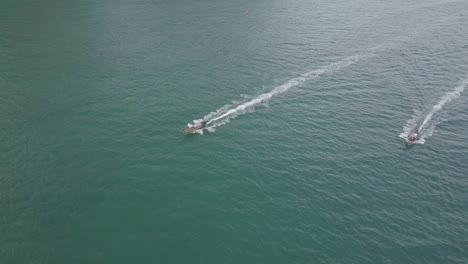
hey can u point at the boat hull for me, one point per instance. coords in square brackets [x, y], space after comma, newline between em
[193, 129]
[190, 130]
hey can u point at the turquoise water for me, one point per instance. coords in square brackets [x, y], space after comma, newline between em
[302, 161]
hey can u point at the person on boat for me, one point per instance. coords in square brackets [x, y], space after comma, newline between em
[202, 124]
[413, 137]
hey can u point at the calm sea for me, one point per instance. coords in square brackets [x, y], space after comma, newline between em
[303, 159]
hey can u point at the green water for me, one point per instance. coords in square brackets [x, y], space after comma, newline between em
[304, 164]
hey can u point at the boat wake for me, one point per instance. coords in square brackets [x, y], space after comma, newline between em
[228, 112]
[429, 123]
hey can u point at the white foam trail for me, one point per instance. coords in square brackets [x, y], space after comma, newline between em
[445, 99]
[427, 127]
[224, 114]
[411, 124]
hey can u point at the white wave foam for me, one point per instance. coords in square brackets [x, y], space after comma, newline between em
[411, 124]
[226, 113]
[428, 125]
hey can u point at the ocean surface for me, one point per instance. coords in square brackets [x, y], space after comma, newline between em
[303, 160]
